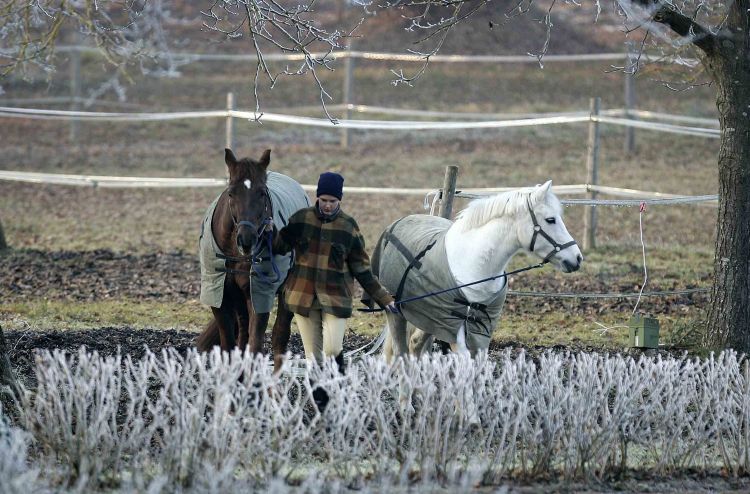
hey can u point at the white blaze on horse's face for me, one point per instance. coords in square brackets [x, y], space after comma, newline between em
[248, 184]
[549, 239]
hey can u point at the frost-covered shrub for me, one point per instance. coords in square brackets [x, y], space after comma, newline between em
[215, 422]
[15, 474]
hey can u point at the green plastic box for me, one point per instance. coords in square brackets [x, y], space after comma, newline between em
[644, 331]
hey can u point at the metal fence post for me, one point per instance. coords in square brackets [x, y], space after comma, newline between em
[592, 175]
[448, 191]
[348, 89]
[230, 122]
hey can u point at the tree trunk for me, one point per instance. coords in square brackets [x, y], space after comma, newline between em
[3, 244]
[728, 318]
[7, 376]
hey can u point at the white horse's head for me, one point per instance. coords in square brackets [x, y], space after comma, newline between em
[542, 232]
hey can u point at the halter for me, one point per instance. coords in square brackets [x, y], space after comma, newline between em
[261, 232]
[538, 231]
[268, 219]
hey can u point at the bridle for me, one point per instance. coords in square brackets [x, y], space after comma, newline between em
[262, 233]
[267, 219]
[556, 247]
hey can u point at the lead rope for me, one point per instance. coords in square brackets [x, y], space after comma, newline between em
[269, 245]
[483, 280]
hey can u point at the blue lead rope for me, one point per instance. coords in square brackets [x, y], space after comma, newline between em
[432, 294]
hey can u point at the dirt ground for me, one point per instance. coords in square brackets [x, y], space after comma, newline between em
[174, 277]
[103, 274]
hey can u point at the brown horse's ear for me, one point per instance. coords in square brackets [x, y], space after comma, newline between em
[229, 157]
[265, 159]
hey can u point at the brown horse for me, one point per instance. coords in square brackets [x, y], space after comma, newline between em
[242, 235]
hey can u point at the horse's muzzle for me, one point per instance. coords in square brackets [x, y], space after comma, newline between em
[569, 267]
[246, 242]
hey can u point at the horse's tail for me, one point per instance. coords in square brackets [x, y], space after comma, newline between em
[209, 338]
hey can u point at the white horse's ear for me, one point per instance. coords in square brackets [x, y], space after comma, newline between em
[541, 190]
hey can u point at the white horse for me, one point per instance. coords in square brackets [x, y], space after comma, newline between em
[479, 244]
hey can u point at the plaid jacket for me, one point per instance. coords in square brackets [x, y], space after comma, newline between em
[329, 254]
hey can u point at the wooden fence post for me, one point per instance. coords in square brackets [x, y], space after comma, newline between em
[75, 89]
[629, 106]
[592, 174]
[229, 143]
[448, 191]
[348, 95]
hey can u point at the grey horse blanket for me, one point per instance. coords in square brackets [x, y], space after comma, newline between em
[410, 260]
[287, 197]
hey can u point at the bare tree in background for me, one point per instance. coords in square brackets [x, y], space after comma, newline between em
[716, 31]
[127, 33]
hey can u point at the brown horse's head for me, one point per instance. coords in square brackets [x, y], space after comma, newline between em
[249, 199]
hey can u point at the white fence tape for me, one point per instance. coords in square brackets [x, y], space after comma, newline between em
[637, 196]
[404, 57]
[665, 116]
[550, 119]
[37, 113]
[412, 125]
[162, 182]
[661, 127]
[656, 198]
[483, 116]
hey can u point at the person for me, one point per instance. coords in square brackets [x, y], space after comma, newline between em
[329, 254]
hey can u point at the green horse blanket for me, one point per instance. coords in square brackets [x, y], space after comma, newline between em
[287, 197]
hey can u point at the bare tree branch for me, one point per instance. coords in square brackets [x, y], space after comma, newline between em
[124, 32]
[272, 25]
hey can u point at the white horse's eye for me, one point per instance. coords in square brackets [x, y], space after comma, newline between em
[551, 221]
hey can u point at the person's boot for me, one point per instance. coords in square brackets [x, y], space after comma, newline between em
[341, 363]
[320, 397]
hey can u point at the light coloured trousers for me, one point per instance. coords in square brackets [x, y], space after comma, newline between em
[322, 334]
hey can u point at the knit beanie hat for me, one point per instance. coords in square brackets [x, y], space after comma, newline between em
[332, 184]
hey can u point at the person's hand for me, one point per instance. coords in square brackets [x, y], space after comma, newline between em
[392, 308]
[269, 225]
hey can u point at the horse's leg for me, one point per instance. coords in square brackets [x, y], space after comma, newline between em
[209, 338]
[245, 311]
[258, 325]
[226, 320]
[470, 411]
[388, 345]
[280, 334]
[397, 328]
[243, 323]
[418, 341]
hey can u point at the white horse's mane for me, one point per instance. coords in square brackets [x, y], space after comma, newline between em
[481, 211]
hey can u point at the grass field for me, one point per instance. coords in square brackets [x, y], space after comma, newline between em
[679, 239]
